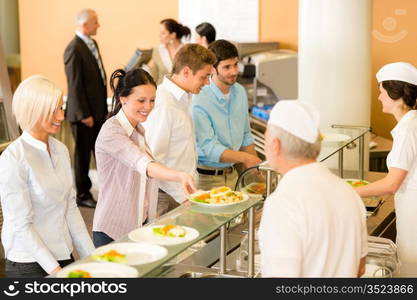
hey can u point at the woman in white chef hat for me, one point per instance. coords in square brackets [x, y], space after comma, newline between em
[398, 94]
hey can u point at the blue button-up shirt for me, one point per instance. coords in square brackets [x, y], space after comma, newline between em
[220, 123]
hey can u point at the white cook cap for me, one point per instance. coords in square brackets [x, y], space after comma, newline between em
[398, 71]
[296, 117]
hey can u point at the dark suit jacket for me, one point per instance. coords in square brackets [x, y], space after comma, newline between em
[86, 91]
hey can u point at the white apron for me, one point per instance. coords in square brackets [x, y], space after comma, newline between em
[406, 215]
[403, 155]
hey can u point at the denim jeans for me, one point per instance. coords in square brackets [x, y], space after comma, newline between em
[31, 269]
[101, 239]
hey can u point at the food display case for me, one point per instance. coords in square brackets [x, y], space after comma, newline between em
[222, 242]
[225, 245]
[209, 223]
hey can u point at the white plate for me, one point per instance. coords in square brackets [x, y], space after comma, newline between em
[136, 253]
[245, 198]
[146, 234]
[101, 270]
[335, 137]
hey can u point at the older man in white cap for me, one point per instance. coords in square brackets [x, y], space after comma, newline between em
[398, 94]
[314, 224]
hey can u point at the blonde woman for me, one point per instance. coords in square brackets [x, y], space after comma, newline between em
[41, 219]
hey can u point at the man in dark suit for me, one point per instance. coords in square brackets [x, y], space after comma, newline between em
[86, 103]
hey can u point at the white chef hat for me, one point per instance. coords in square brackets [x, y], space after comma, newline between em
[296, 117]
[398, 71]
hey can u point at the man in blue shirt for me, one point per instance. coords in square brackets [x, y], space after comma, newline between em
[221, 120]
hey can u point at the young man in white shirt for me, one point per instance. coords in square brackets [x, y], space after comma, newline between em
[169, 127]
[314, 224]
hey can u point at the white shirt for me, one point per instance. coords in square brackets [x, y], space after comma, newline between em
[403, 155]
[41, 218]
[165, 57]
[404, 149]
[127, 196]
[169, 131]
[313, 225]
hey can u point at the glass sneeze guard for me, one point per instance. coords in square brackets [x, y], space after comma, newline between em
[206, 220]
[330, 148]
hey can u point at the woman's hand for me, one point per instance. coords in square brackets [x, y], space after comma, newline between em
[161, 172]
[187, 183]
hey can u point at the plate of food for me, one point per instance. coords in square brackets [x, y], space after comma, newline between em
[218, 197]
[335, 137]
[356, 182]
[371, 203]
[129, 253]
[97, 270]
[255, 189]
[168, 234]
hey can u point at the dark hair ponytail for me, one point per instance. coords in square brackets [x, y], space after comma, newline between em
[126, 81]
[397, 89]
[173, 26]
[207, 30]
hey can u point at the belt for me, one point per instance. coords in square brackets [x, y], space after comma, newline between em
[216, 172]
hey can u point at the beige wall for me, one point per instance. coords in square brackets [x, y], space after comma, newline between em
[278, 21]
[392, 19]
[46, 26]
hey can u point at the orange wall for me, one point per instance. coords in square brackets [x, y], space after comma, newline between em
[278, 21]
[392, 19]
[46, 26]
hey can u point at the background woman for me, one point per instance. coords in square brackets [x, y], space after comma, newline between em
[170, 34]
[128, 192]
[205, 34]
[398, 94]
[41, 217]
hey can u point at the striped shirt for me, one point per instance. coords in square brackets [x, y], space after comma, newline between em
[127, 197]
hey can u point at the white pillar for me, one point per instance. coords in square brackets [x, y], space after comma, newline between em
[335, 59]
[335, 64]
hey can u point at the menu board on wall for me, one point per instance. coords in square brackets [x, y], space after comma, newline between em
[234, 20]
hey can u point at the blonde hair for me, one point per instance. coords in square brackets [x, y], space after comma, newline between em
[35, 99]
[193, 56]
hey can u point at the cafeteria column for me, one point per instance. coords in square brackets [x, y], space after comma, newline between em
[335, 63]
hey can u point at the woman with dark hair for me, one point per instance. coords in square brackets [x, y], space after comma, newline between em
[205, 34]
[170, 34]
[126, 169]
[398, 95]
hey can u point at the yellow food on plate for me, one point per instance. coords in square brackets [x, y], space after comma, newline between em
[111, 255]
[170, 231]
[219, 195]
[228, 197]
[79, 274]
[214, 192]
[357, 182]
